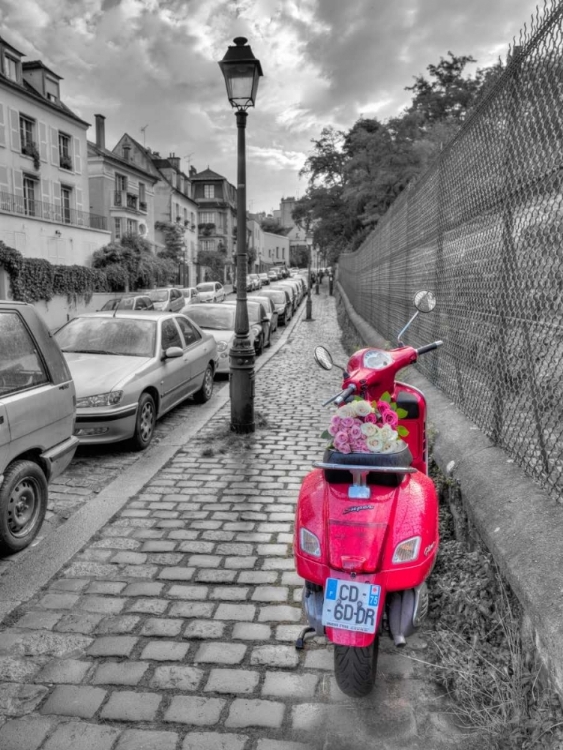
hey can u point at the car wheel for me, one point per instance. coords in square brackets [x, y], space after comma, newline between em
[145, 422]
[206, 390]
[259, 345]
[23, 502]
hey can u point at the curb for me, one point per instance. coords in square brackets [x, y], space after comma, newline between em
[26, 578]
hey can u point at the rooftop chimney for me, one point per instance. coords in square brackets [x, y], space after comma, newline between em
[174, 161]
[100, 131]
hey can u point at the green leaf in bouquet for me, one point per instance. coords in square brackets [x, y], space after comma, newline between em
[326, 435]
[402, 413]
[402, 431]
[385, 397]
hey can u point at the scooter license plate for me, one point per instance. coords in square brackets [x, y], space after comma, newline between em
[350, 605]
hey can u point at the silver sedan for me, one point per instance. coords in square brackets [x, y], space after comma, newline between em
[130, 368]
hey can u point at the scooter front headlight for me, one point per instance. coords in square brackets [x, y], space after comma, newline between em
[407, 551]
[309, 543]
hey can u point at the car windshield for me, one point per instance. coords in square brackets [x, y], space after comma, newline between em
[205, 287]
[254, 315]
[116, 336]
[111, 304]
[218, 319]
[278, 297]
[158, 295]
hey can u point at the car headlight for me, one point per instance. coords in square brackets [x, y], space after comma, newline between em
[222, 346]
[407, 551]
[309, 543]
[102, 399]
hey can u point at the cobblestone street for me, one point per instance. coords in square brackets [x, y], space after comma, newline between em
[173, 628]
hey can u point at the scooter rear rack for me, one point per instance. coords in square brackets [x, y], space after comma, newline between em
[359, 489]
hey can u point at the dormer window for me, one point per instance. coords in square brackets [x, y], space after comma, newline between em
[209, 191]
[10, 68]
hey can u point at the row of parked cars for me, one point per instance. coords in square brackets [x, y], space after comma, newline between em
[106, 377]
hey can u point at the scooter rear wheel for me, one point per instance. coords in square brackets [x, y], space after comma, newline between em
[355, 668]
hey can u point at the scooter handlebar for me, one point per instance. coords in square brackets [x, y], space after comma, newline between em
[429, 347]
[342, 396]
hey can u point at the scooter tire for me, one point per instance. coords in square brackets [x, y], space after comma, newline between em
[355, 668]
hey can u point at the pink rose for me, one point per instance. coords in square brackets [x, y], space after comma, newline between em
[360, 446]
[348, 422]
[355, 432]
[345, 448]
[371, 418]
[383, 407]
[390, 418]
[335, 425]
[341, 442]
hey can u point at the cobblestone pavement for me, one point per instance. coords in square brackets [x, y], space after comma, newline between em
[173, 628]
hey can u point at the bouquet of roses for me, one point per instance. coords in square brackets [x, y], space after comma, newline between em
[364, 427]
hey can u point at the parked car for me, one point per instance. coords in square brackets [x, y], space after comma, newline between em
[210, 291]
[167, 300]
[129, 302]
[190, 296]
[37, 410]
[270, 308]
[264, 279]
[219, 321]
[130, 368]
[249, 284]
[273, 275]
[256, 281]
[258, 319]
[292, 289]
[283, 303]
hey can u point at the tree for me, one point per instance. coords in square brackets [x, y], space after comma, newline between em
[269, 224]
[174, 243]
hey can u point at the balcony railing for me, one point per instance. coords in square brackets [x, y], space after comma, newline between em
[117, 199]
[17, 204]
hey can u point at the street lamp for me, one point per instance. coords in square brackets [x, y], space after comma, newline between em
[241, 71]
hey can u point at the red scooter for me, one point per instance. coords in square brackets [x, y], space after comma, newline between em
[366, 531]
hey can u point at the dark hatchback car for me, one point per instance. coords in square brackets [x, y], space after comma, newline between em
[129, 302]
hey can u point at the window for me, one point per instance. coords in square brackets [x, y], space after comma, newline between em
[208, 244]
[29, 196]
[10, 68]
[65, 202]
[189, 332]
[21, 366]
[207, 217]
[117, 228]
[26, 132]
[131, 226]
[65, 160]
[120, 183]
[170, 335]
[132, 201]
[209, 191]
[142, 193]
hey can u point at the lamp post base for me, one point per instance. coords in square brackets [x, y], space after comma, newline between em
[241, 386]
[309, 307]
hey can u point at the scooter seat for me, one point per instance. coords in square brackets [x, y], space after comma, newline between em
[399, 460]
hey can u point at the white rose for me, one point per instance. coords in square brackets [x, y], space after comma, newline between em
[374, 443]
[387, 432]
[362, 408]
[346, 410]
[369, 429]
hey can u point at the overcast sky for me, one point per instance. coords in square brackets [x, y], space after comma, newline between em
[153, 63]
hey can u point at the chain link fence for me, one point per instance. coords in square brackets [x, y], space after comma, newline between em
[483, 229]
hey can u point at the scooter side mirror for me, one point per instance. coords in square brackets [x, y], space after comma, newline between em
[424, 301]
[323, 358]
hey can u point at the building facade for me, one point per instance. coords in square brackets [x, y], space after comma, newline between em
[217, 209]
[44, 190]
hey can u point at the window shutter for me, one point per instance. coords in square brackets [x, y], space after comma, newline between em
[43, 146]
[77, 157]
[46, 198]
[2, 126]
[5, 201]
[15, 130]
[18, 183]
[57, 200]
[55, 149]
[79, 216]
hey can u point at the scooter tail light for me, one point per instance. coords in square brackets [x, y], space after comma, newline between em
[407, 551]
[309, 543]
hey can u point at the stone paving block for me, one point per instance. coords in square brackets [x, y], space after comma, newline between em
[78, 623]
[202, 629]
[194, 710]
[129, 558]
[119, 624]
[188, 592]
[272, 550]
[69, 584]
[291, 686]
[166, 558]
[235, 612]
[216, 576]
[16, 700]
[177, 677]
[109, 605]
[218, 536]
[309, 717]
[273, 528]
[120, 673]
[197, 547]
[150, 588]
[177, 573]
[270, 594]
[39, 620]
[214, 741]
[279, 614]
[320, 658]
[141, 739]
[234, 549]
[251, 631]
[165, 651]
[43, 643]
[257, 577]
[240, 563]
[81, 736]
[69, 671]
[106, 587]
[58, 601]
[139, 571]
[204, 561]
[25, 734]
[162, 627]
[149, 606]
[206, 525]
[278, 563]
[245, 712]
[75, 700]
[275, 656]
[123, 543]
[291, 579]
[289, 633]
[220, 653]
[192, 609]
[232, 681]
[126, 705]
[96, 555]
[254, 537]
[229, 593]
[239, 526]
[14, 669]
[183, 534]
[117, 645]
[265, 744]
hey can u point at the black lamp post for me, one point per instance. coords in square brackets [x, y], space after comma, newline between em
[241, 71]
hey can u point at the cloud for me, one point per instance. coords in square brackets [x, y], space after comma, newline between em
[325, 62]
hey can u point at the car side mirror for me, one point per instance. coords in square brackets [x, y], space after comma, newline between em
[173, 352]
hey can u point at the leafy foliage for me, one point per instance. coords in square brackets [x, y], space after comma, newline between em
[214, 261]
[173, 240]
[268, 224]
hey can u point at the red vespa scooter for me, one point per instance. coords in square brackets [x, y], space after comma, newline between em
[366, 531]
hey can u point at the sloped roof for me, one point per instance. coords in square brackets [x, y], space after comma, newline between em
[208, 174]
[94, 150]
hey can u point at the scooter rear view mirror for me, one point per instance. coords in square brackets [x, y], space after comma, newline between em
[424, 301]
[323, 358]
